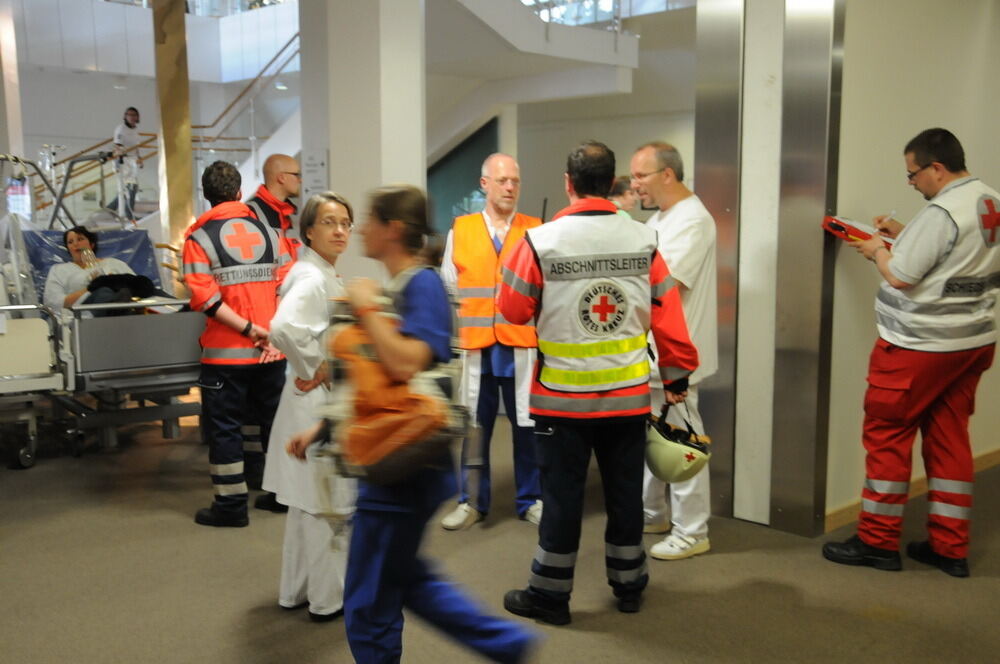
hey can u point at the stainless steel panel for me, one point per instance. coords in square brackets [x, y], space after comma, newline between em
[717, 182]
[813, 39]
[135, 342]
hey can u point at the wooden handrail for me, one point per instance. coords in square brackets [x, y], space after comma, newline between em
[270, 78]
[94, 147]
[45, 204]
[39, 189]
[218, 118]
[91, 166]
[249, 85]
[153, 153]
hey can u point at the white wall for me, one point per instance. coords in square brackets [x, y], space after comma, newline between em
[543, 146]
[660, 107]
[908, 65]
[99, 36]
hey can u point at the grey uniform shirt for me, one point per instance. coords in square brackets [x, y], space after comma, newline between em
[924, 242]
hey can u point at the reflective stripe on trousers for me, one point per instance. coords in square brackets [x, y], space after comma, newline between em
[564, 448]
[933, 393]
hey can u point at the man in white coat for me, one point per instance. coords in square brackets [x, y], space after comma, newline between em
[314, 558]
[498, 355]
[686, 239]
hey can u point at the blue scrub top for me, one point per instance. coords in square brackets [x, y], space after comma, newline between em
[426, 315]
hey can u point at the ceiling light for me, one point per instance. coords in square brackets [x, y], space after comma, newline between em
[278, 85]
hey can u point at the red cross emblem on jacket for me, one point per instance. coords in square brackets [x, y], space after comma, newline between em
[604, 309]
[990, 216]
[242, 243]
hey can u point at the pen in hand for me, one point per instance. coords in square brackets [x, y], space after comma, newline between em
[886, 225]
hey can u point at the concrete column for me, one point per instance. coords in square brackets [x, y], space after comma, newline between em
[363, 100]
[507, 130]
[758, 238]
[173, 91]
[11, 130]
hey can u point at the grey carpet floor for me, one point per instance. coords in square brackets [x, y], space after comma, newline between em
[100, 562]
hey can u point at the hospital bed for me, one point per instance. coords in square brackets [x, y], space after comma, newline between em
[97, 373]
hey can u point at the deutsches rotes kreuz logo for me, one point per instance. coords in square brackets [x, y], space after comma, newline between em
[602, 309]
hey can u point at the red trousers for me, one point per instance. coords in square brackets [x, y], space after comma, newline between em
[911, 390]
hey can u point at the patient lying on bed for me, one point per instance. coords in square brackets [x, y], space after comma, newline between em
[80, 281]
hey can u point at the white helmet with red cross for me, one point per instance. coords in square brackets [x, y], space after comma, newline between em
[675, 454]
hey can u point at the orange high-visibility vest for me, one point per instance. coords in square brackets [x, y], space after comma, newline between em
[479, 272]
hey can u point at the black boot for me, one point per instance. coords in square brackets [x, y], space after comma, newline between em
[524, 603]
[630, 603]
[855, 552]
[268, 501]
[923, 553]
[212, 516]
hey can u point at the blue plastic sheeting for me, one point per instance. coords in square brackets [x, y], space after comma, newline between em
[45, 249]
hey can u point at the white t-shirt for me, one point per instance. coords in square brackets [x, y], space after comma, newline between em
[686, 239]
[125, 136]
[66, 278]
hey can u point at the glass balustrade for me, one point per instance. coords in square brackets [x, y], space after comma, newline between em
[600, 12]
[211, 7]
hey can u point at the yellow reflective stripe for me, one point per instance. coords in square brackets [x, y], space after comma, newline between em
[595, 349]
[599, 377]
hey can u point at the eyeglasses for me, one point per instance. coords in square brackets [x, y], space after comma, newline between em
[912, 174]
[643, 176]
[296, 174]
[342, 225]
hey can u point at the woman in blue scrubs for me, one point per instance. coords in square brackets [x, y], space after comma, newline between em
[384, 570]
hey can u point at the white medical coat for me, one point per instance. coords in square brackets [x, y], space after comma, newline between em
[297, 331]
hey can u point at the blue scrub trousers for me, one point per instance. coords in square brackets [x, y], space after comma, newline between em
[385, 573]
[526, 475]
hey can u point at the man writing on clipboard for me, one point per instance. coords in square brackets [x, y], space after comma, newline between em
[937, 334]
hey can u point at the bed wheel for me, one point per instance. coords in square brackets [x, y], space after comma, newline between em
[26, 455]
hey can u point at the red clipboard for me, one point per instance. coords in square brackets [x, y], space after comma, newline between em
[850, 230]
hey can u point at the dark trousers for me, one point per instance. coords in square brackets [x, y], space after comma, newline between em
[385, 573]
[232, 397]
[104, 295]
[129, 211]
[564, 447]
[475, 478]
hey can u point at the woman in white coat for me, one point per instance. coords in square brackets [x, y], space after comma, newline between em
[315, 549]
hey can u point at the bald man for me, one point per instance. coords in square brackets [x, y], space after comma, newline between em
[499, 356]
[282, 181]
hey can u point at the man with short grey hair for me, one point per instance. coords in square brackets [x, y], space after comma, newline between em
[686, 239]
[499, 355]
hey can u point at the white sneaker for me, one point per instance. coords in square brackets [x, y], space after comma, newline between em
[534, 513]
[462, 517]
[677, 547]
[656, 527]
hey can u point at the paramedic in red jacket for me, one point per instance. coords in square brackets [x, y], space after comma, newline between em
[272, 201]
[231, 262]
[596, 284]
